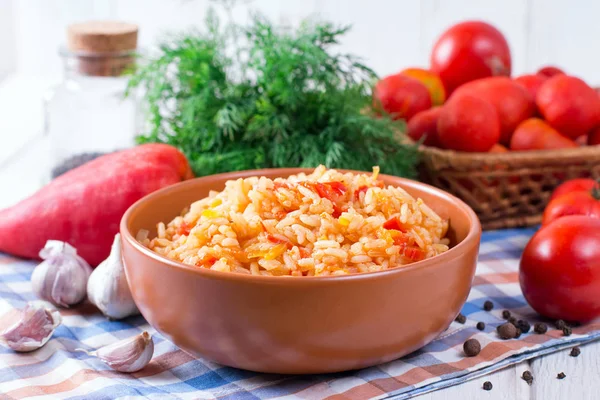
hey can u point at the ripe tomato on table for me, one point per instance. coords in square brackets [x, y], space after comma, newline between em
[573, 185]
[560, 269]
[574, 203]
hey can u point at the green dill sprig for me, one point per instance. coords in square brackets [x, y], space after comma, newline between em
[238, 98]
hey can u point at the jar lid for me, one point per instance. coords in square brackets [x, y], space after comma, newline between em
[102, 37]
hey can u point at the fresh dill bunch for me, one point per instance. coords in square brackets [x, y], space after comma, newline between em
[248, 97]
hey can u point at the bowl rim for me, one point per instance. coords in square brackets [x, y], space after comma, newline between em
[452, 253]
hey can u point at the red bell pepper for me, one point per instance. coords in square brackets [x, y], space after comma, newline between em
[84, 206]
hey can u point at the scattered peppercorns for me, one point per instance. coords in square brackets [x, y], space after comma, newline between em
[507, 331]
[461, 319]
[506, 314]
[575, 351]
[523, 326]
[560, 324]
[513, 321]
[561, 375]
[487, 385]
[518, 334]
[527, 377]
[480, 326]
[488, 306]
[540, 328]
[567, 331]
[472, 347]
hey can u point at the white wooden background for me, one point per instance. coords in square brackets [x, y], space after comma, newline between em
[389, 34]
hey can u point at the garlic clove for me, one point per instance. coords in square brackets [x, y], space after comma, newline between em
[128, 355]
[62, 277]
[32, 328]
[107, 287]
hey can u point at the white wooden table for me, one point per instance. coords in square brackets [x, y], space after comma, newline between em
[22, 165]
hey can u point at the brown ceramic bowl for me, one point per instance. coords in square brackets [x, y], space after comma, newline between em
[305, 324]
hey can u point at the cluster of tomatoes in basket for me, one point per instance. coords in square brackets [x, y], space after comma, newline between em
[467, 100]
[560, 266]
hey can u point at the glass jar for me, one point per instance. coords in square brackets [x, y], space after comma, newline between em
[88, 111]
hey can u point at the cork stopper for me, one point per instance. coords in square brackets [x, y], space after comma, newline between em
[102, 37]
[102, 48]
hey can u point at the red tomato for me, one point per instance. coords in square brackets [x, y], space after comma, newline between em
[468, 51]
[401, 96]
[536, 134]
[569, 105]
[424, 125]
[432, 82]
[583, 140]
[395, 224]
[334, 192]
[550, 71]
[413, 253]
[468, 123]
[531, 82]
[560, 269]
[593, 137]
[184, 229]
[512, 101]
[574, 203]
[498, 148]
[573, 185]
[406, 244]
[362, 189]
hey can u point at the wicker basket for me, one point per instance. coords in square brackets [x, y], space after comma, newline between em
[511, 189]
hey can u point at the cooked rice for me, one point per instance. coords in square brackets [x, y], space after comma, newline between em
[325, 223]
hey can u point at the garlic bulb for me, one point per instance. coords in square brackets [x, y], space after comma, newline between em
[62, 277]
[107, 287]
[129, 355]
[32, 329]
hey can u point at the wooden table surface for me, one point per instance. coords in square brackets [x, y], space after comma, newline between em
[22, 165]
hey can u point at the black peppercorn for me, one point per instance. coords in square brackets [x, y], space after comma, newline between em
[518, 334]
[507, 331]
[487, 385]
[506, 314]
[561, 375]
[540, 328]
[523, 326]
[488, 305]
[480, 326]
[575, 351]
[527, 377]
[461, 319]
[567, 331]
[472, 347]
[560, 324]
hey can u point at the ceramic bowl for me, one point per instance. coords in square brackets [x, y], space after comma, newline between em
[298, 325]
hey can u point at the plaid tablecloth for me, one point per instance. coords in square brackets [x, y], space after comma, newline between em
[56, 372]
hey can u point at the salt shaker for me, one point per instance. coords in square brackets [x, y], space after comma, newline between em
[88, 113]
